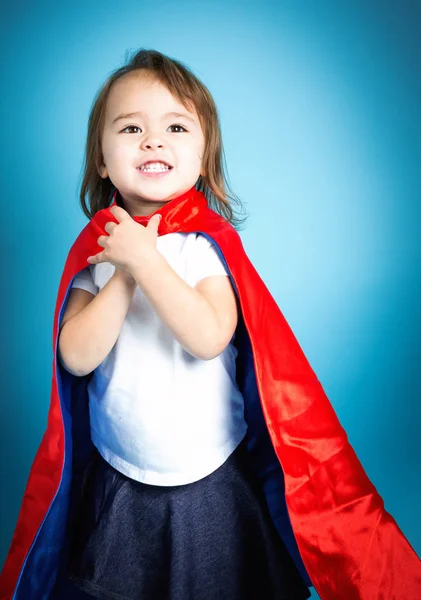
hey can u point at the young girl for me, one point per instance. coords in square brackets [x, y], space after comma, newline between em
[190, 453]
[169, 507]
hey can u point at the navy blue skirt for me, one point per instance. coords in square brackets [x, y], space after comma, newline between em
[212, 539]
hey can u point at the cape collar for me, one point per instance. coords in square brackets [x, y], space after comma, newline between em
[176, 213]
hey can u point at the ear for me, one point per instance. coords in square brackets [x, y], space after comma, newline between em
[103, 172]
[102, 169]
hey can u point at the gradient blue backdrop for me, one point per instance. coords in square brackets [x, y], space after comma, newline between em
[320, 110]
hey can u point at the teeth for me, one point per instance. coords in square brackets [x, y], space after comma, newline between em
[157, 166]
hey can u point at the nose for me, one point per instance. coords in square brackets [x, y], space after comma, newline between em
[152, 140]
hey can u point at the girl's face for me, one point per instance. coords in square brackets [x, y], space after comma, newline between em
[137, 129]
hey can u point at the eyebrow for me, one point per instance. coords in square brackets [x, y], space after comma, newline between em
[168, 114]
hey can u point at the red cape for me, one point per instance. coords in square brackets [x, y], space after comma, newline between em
[327, 511]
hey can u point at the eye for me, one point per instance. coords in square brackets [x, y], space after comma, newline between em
[182, 127]
[130, 127]
[138, 128]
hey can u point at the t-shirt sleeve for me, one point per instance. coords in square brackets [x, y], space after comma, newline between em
[208, 261]
[85, 281]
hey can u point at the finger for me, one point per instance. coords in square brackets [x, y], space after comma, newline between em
[109, 226]
[102, 240]
[119, 213]
[154, 222]
[97, 258]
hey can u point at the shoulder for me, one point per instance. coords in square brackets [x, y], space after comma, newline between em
[192, 241]
[205, 246]
[100, 269]
[202, 241]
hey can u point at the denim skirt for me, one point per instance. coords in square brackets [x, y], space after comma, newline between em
[212, 539]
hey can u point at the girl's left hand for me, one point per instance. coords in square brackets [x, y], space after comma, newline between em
[128, 243]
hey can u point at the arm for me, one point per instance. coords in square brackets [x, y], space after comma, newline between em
[92, 324]
[202, 319]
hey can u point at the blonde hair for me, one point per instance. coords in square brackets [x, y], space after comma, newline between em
[188, 90]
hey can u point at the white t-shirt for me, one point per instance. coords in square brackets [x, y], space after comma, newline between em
[158, 414]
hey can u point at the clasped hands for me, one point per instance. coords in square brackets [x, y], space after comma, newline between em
[128, 242]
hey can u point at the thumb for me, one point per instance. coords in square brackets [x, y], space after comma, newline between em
[156, 219]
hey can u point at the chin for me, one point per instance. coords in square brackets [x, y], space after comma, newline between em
[163, 193]
[146, 194]
[157, 196]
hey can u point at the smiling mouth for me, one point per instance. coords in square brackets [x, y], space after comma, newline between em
[155, 173]
[154, 168]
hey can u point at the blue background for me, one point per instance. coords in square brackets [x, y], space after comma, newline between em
[320, 110]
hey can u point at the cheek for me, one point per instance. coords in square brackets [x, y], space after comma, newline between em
[193, 160]
[116, 152]
[195, 153]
